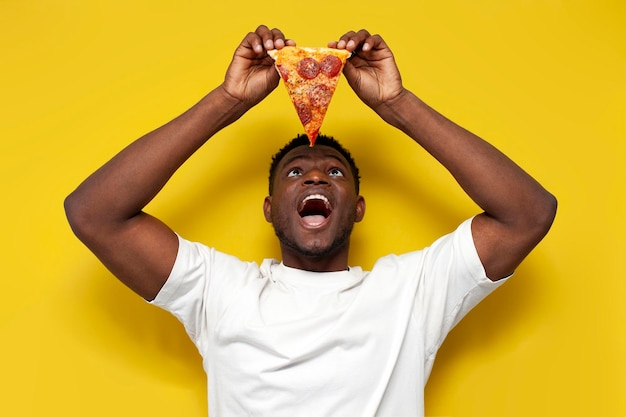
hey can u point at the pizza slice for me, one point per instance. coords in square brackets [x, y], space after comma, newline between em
[311, 76]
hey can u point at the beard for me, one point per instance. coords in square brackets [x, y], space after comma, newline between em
[315, 251]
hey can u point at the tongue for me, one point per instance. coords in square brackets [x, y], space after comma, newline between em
[314, 220]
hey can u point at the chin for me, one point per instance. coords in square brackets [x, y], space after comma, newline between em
[318, 252]
[315, 249]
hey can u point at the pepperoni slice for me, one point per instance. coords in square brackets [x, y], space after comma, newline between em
[284, 72]
[319, 95]
[304, 113]
[330, 65]
[308, 68]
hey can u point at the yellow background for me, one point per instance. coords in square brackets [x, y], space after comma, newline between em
[544, 80]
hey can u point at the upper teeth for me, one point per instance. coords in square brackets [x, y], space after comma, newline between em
[316, 197]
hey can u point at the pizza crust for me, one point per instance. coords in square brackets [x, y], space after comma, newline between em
[313, 50]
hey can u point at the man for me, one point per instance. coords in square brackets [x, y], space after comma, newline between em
[311, 335]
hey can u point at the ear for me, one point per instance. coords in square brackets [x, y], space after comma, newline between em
[267, 208]
[360, 209]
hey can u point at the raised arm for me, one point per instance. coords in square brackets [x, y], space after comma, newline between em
[105, 211]
[518, 211]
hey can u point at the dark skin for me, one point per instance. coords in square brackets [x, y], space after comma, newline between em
[105, 211]
[317, 171]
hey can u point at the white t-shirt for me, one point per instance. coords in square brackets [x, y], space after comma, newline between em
[278, 341]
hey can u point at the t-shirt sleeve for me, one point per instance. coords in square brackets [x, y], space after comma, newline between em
[187, 286]
[452, 281]
[200, 280]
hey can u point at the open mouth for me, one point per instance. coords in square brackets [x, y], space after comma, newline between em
[314, 209]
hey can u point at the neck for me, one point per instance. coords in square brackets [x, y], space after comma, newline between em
[324, 263]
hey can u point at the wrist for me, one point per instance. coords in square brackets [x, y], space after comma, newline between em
[221, 108]
[228, 102]
[391, 110]
[402, 111]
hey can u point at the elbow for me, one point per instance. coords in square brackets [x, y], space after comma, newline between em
[551, 208]
[545, 213]
[72, 212]
[77, 215]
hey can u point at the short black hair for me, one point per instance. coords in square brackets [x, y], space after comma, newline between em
[303, 140]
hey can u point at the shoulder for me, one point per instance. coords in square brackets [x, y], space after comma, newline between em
[200, 269]
[456, 244]
[450, 264]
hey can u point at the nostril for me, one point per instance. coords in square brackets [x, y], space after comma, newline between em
[315, 181]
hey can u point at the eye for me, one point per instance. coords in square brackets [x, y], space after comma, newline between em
[335, 172]
[294, 172]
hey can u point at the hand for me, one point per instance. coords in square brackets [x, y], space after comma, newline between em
[371, 71]
[251, 75]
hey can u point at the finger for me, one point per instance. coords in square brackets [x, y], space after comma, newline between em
[373, 42]
[343, 41]
[267, 36]
[278, 40]
[256, 39]
[275, 39]
[352, 41]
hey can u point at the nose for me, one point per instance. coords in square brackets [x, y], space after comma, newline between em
[315, 177]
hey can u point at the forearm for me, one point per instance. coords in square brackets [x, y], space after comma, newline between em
[500, 187]
[518, 211]
[123, 186]
[106, 210]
